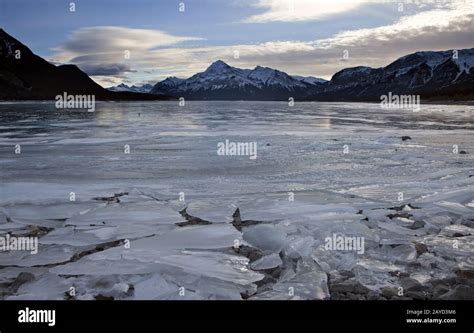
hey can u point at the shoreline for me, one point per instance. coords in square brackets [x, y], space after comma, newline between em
[429, 102]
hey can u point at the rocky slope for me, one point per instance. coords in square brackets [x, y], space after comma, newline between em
[429, 74]
[144, 89]
[24, 75]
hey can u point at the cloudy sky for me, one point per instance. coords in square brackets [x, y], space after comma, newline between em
[144, 41]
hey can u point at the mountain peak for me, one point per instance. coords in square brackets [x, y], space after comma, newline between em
[264, 69]
[218, 65]
[4, 33]
[310, 79]
[172, 79]
[8, 43]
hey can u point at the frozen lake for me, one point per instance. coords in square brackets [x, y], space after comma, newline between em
[103, 192]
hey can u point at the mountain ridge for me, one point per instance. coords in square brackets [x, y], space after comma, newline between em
[431, 74]
[26, 76]
[143, 89]
[222, 81]
[434, 75]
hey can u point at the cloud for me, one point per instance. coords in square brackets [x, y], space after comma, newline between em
[106, 69]
[117, 39]
[108, 50]
[108, 81]
[300, 10]
[445, 26]
[439, 28]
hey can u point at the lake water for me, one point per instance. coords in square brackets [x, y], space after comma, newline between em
[317, 166]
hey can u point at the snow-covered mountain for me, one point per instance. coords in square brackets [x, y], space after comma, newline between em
[310, 79]
[166, 85]
[430, 74]
[221, 81]
[433, 75]
[144, 89]
[442, 74]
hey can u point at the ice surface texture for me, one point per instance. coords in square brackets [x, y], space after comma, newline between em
[126, 235]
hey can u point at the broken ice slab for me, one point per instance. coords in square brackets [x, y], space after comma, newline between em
[211, 264]
[147, 212]
[456, 230]
[455, 207]
[133, 195]
[266, 262]
[52, 211]
[71, 236]
[430, 261]
[154, 249]
[165, 250]
[404, 222]
[11, 272]
[46, 287]
[438, 221]
[398, 230]
[283, 210]
[11, 226]
[211, 209]
[39, 223]
[154, 287]
[89, 235]
[205, 287]
[46, 255]
[268, 238]
[352, 228]
[378, 215]
[375, 265]
[455, 195]
[400, 253]
[450, 247]
[275, 295]
[299, 246]
[216, 236]
[375, 274]
[387, 238]
[215, 289]
[45, 193]
[312, 285]
[421, 278]
[334, 260]
[85, 266]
